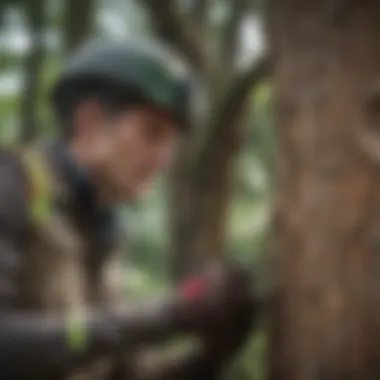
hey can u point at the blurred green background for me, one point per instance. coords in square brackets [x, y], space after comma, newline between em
[217, 200]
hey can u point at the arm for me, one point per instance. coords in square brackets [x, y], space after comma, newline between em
[32, 345]
[196, 364]
[219, 341]
[205, 361]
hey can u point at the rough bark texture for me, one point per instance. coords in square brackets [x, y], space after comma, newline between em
[326, 321]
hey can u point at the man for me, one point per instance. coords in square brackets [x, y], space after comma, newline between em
[122, 110]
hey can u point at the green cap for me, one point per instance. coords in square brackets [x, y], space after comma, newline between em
[151, 70]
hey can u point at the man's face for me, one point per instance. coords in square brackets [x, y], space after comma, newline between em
[126, 152]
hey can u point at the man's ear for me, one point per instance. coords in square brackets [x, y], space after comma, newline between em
[87, 117]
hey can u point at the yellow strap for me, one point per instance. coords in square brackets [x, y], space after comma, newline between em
[37, 171]
[76, 333]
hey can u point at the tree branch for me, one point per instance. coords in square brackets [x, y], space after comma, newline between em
[199, 12]
[171, 26]
[230, 35]
[77, 23]
[229, 107]
[36, 18]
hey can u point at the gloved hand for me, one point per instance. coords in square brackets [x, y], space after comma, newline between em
[218, 305]
[220, 298]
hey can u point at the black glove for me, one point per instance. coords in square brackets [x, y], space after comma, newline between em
[219, 306]
[220, 298]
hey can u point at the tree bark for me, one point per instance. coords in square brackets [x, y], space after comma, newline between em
[200, 199]
[201, 186]
[78, 22]
[178, 31]
[35, 15]
[231, 33]
[326, 320]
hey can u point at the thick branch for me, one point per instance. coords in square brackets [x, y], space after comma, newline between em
[171, 26]
[231, 102]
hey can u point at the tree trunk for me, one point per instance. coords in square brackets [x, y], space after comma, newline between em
[200, 188]
[35, 14]
[78, 22]
[200, 200]
[326, 320]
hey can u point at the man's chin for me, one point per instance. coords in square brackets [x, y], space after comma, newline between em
[137, 193]
[143, 190]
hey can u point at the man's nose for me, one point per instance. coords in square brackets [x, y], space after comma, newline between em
[162, 157]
